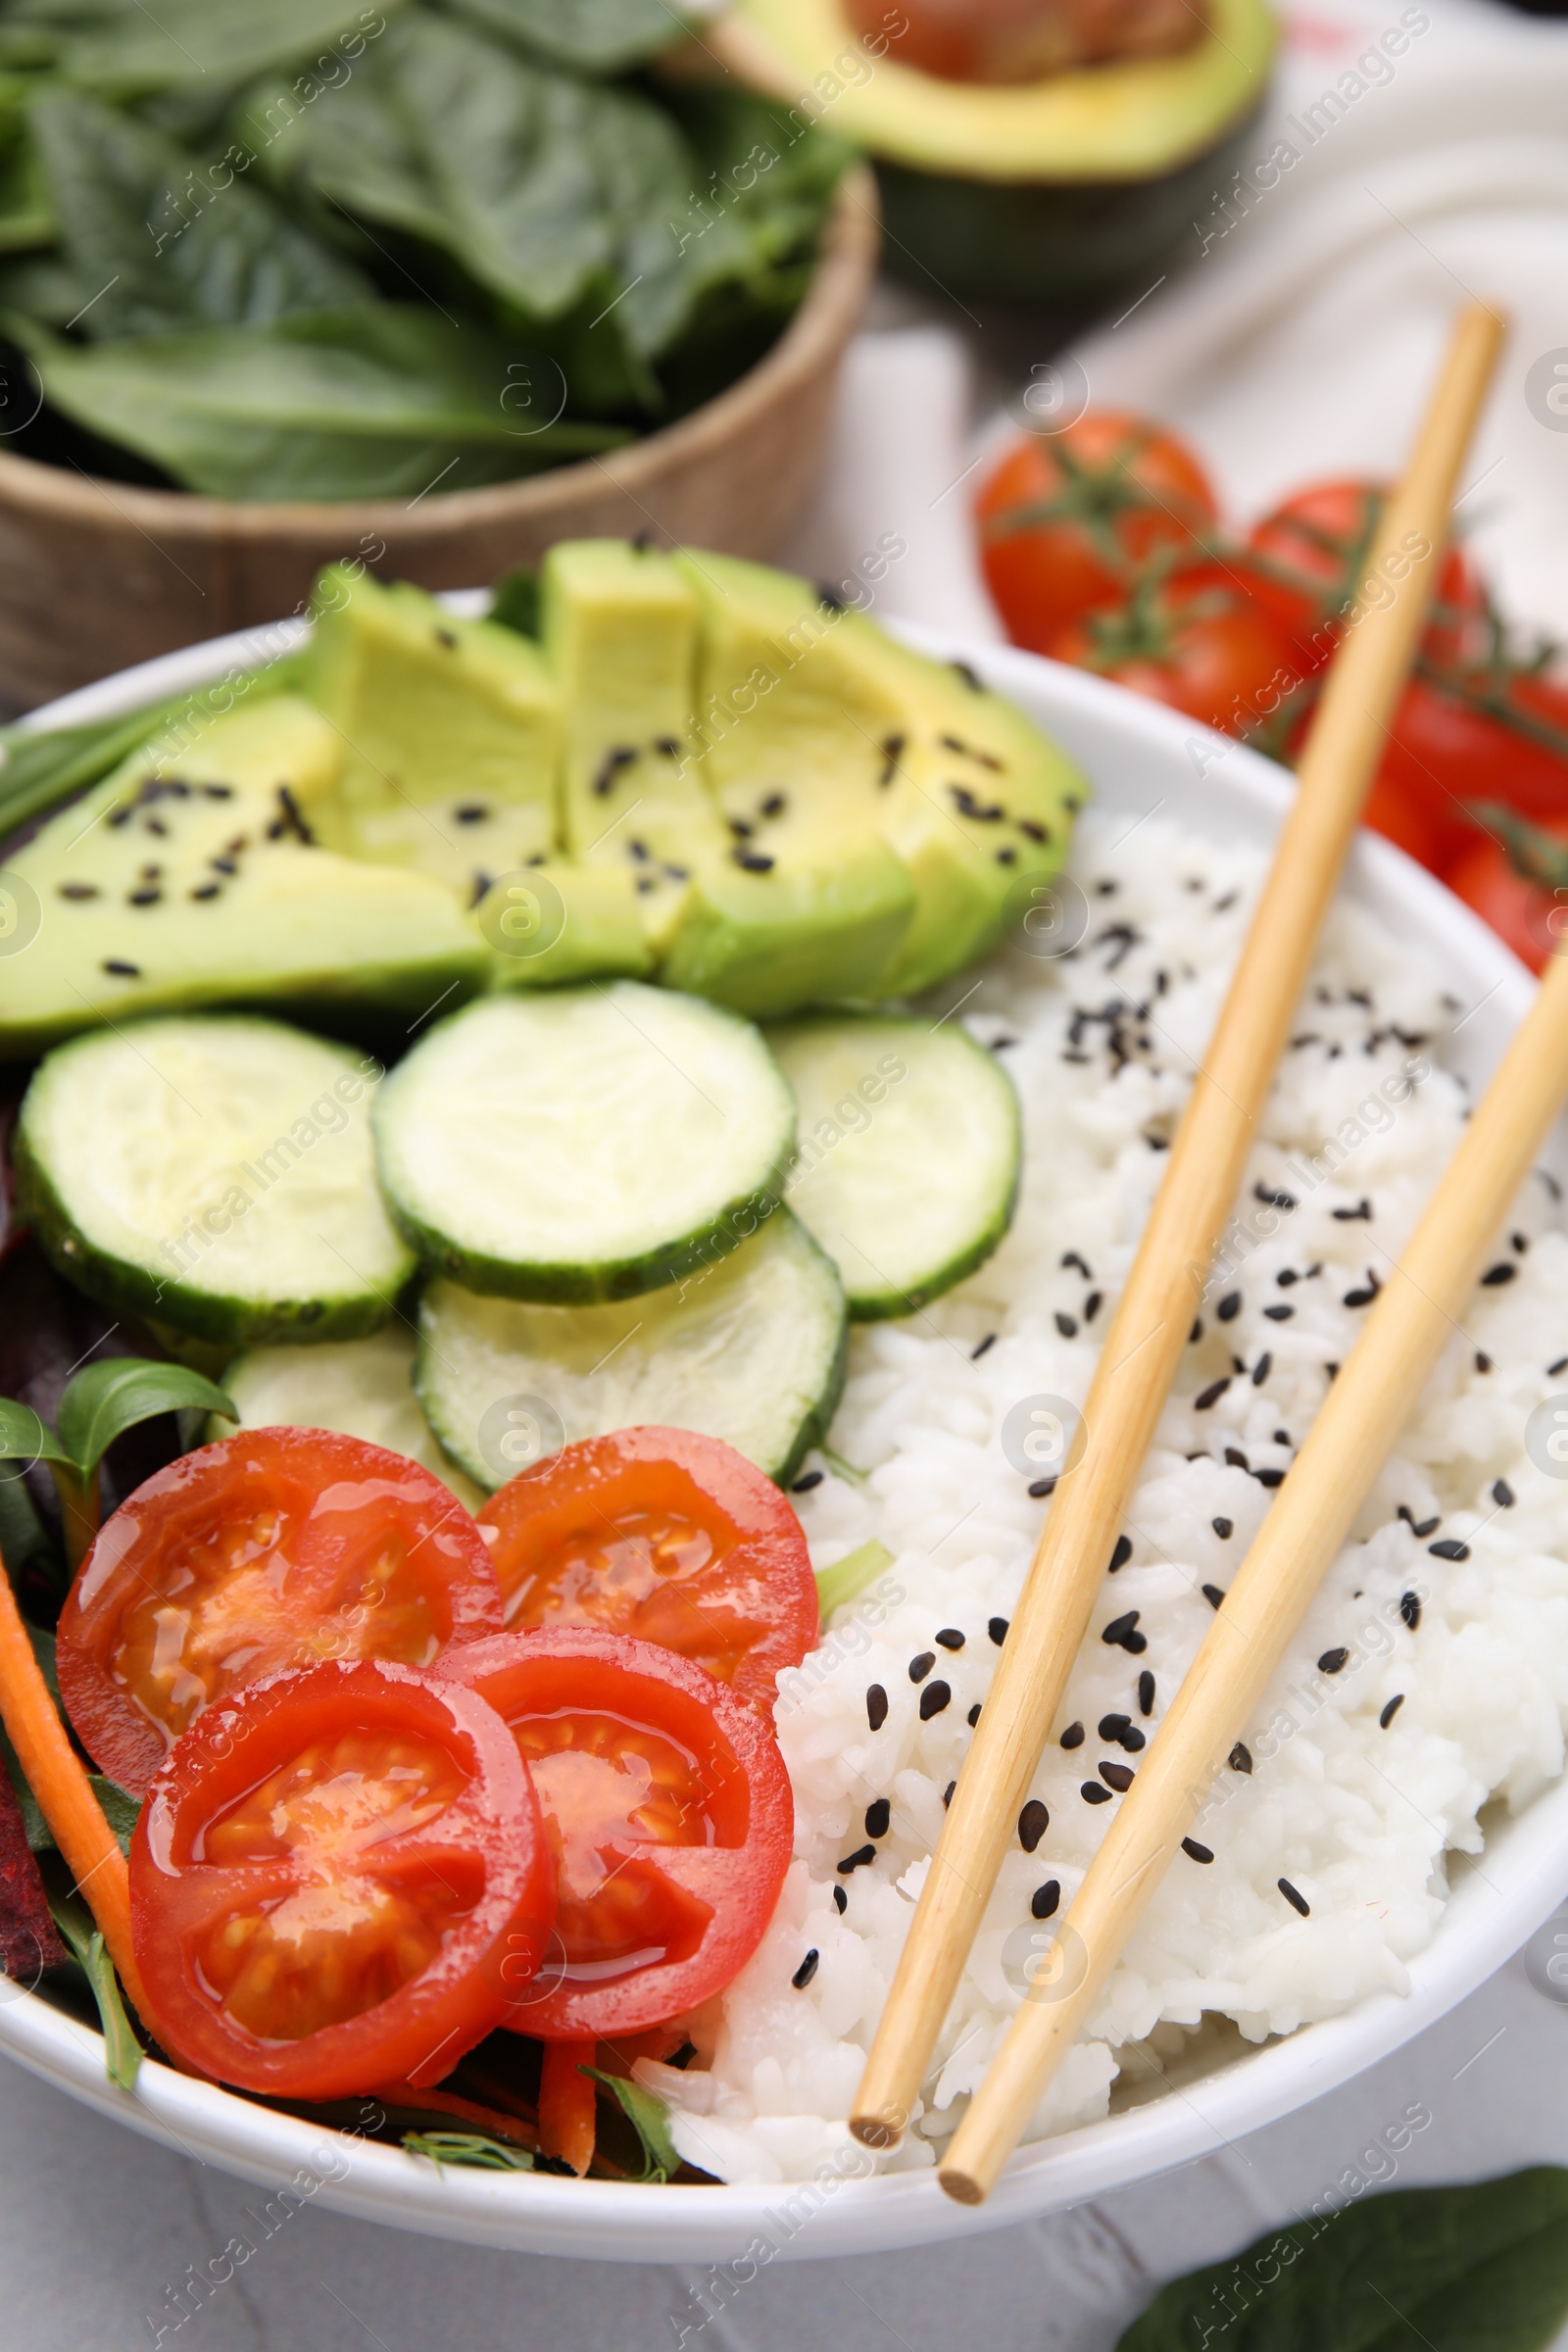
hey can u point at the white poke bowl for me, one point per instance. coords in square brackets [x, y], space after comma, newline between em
[1139, 757]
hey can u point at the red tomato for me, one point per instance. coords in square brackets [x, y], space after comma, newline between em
[1200, 643]
[339, 1879]
[1529, 774]
[1528, 916]
[669, 1537]
[1067, 520]
[271, 1549]
[1315, 546]
[667, 1809]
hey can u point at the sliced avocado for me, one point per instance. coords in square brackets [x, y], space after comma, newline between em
[188, 877]
[1060, 188]
[619, 628]
[449, 734]
[561, 922]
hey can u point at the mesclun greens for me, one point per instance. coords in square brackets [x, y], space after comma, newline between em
[99, 1405]
[1474, 2268]
[319, 252]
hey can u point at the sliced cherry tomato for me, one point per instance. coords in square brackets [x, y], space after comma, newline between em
[340, 1878]
[1200, 643]
[1314, 547]
[271, 1549]
[1068, 519]
[665, 1535]
[1530, 918]
[667, 1809]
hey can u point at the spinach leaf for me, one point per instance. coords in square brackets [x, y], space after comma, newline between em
[125, 50]
[649, 2118]
[27, 220]
[1475, 2269]
[165, 247]
[381, 400]
[596, 37]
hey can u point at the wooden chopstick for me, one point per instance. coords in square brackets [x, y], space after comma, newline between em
[64, 1793]
[1149, 1331]
[1416, 1312]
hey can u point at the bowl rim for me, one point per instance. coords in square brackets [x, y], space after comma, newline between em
[1495, 1900]
[816, 330]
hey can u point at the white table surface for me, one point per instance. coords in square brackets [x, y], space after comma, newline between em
[96, 2228]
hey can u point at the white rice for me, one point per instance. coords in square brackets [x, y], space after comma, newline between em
[1358, 1817]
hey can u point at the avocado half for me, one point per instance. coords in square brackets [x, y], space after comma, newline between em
[1043, 191]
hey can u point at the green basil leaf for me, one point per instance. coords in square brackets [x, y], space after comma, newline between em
[596, 36]
[111, 1395]
[1475, 2269]
[649, 2118]
[123, 2052]
[848, 1578]
[469, 2147]
[25, 1438]
[165, 246]
[380, 400]
[104, 44]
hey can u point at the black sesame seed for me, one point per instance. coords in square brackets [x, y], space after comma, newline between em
[1041, 1487]
[1282, 1436]
[806, 1971]
[1071, 1257]
[878, 1814]
[1334, 1661]
[752, 861]
[1145, 1692]
[1211, 1395]
[773, 805]
[1223, 1527]
[1119, 1776]
[1236, 1459]
[207, 889]
[1132, 1740]
[1495, 1276]
[1450, 1548]
[1390, 1710]
[1262, 1369]
[1482, 1360]
[933, 1698]
[1362, 1297]
[803, 1485]
[1269, 1478]
[1349, 1216]
[1279, 1314]
[1044, 1899]
[921, 1666]
[120, 969]
[1241, 1758]
[473, 812]
[1297, 1900]
[1092, 1305]
[1196, 1332]
[1424, 1527]
[841, 1901]
[1033, 1823]
[1213, 1595]
[1196, 1852]
[79, 890]
[1073, 1735]
[1502, 1494]
[1122, 1632]
[1561, 1365]
[1122, 1553]
[1066, 1326]
[998, 1629]
[858, 1860]
[947, 1794]
[1273, 1200]
[1230, 1306]
[1112, 1726]
[974, 1715]
[151, 896]
[1093, 1794]
[975, 1353]
[950, 1637]
[876, 1707]
[1410, 1609]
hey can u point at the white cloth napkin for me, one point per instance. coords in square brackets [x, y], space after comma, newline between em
[1300, 335]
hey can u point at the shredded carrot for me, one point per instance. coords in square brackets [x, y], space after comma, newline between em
[65, 1794]
[566, 2100]
[467, 2111]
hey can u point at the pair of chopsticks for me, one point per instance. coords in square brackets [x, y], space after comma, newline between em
[1373, 1396]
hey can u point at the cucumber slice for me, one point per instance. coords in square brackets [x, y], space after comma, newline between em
[908, 1165]
[363, 1388]
[212, 1171]
[750, 1350]
[583, 1144]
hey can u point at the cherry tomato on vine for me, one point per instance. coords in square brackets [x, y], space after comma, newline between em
[1529, 916]
[668, 1812]
[339, 1879]
[669, 1537]
[1200, 643]
[273, 1548]
[1068, 519]
[1313, 548]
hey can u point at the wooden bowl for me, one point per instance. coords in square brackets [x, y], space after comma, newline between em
[97, 576]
